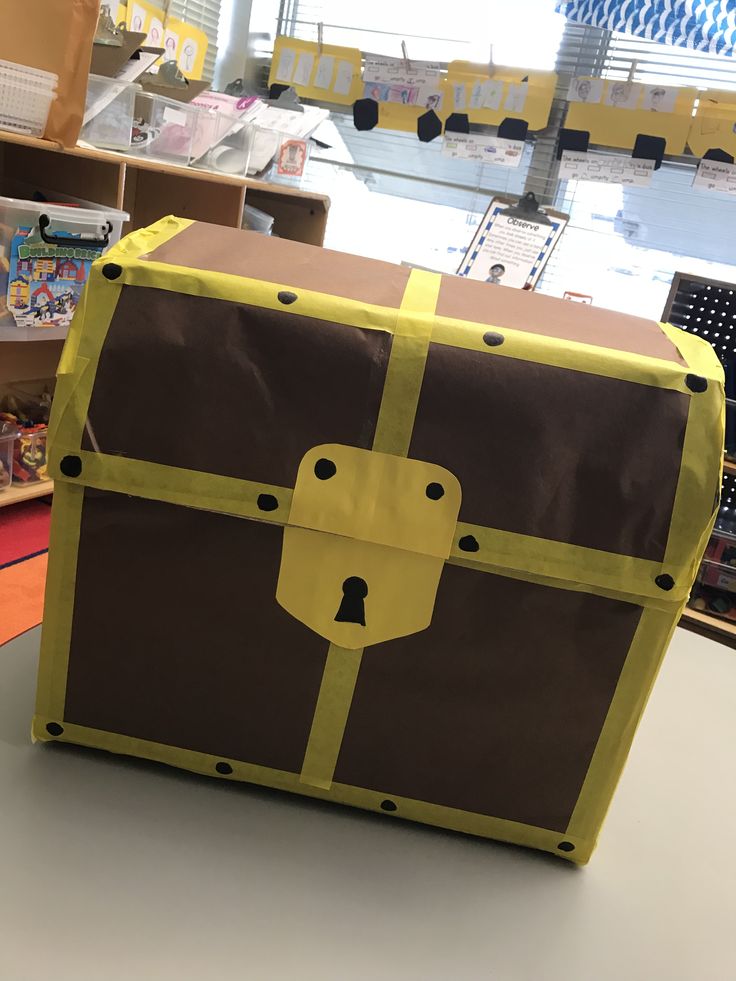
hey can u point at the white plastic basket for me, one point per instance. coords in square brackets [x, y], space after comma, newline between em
[26, 95]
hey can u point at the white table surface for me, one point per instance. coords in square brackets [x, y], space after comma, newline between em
[121, 870]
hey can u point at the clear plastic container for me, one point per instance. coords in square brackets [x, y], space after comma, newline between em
[29, 456]
[288, 156]
[163, 128]
[45, 254]
[8, 435]
[255, 220]
[222, 143]
[26, 95]
[108, 112]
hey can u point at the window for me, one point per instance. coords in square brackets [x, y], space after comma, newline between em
[204, 14]
[394, 197]
[403, 200]
[623, 245]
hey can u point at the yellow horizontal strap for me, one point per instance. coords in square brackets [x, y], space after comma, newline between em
[256, 292]
[191, 488]
[558, 560]
[371, 800]
[330, 716]
[406, 365]
[632, 692]
[144, 240]
[501, 552]
[571, 585]
[537, 348]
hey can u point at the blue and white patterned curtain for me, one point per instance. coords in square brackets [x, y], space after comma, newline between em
[703, 25]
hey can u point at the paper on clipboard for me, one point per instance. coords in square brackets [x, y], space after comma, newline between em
[511, 249]
[131, 70]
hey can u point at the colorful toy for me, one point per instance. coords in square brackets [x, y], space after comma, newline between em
[45, 279]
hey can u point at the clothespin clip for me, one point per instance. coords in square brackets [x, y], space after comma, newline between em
[632, 71]
[320, 31]
[407, 65]
[491, 66]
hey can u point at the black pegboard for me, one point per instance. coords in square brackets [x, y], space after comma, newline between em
[707, 308]
[726, 520]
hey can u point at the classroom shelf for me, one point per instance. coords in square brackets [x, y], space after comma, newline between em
[147, 190]
[716, 628]
[25, 492]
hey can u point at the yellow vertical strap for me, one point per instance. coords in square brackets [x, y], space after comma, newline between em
[406, 366]
[635, 683]
[59, 604]
[330, 716]
[393, 434]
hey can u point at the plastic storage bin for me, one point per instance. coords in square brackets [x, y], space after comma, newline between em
[222, 143]
[8, 434]
[29, 456]
[26, 95]
[163, 128]
[45, 254]
[108, 112]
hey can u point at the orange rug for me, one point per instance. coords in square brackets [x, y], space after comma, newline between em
[21, 596]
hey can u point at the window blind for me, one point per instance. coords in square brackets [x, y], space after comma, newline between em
[399, 199]
[623, 245]
[204, 14]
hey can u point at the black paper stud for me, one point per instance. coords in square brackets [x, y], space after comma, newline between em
[111, 270]
[492, 338]
[566, 846]
[365, 114]
[324, 469]
[716, 153]
[224, 768]
[513, 129]
[286, 297]
[650, 148]
[267, 502]
[435, 491]
[388, 805]
[277, 89]
[457, 122]
[577, 140]
[665, 582]
[54, 729]
[71, 466]
[429, 126]
[696, 383]
[469, 544]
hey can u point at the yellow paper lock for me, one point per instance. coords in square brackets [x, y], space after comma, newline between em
[366, 541]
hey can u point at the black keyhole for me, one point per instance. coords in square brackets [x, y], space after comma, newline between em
[352, 606]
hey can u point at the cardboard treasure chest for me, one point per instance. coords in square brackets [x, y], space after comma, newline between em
[370, 534]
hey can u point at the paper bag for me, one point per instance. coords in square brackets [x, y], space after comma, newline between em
[55, 36]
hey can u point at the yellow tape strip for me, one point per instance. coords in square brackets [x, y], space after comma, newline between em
[406, 366]
[558, 560]
[393, 434]
[645, 656]
[190, 488]
[572, 585]
[371, 800]
[702, 457]
[330, 716]
[59, 602]
[257, 293]
[525, 346]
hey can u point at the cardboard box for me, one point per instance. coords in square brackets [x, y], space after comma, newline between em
[370, 534]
